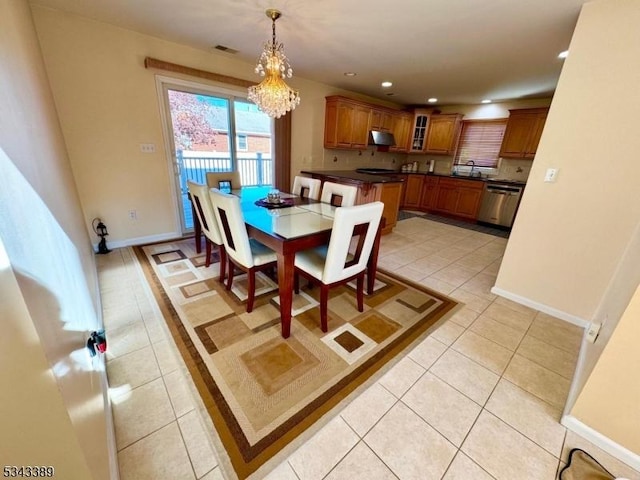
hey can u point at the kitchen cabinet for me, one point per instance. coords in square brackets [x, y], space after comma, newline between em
[523, 132]
[469, 196]
[419, 131]
[388, 192]
[447, 196]
[401, 131]
[429, 193]
[442, 135]
[459, 197]
[413, 191]
[381, 120]
[346, 124]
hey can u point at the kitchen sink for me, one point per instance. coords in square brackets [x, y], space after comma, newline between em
[375, 171]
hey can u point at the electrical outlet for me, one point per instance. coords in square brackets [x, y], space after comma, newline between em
[133, 215]
[551, 175]
[147, 147]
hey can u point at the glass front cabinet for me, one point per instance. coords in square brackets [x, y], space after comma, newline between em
[420, 127]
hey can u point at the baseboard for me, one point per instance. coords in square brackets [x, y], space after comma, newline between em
[602, 442]
[162, 237]
[554, 312]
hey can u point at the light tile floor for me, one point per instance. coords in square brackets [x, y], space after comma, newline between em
[480, 398]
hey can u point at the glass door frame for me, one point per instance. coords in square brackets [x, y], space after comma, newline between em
[164, 83]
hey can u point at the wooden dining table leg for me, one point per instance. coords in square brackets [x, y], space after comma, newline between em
[285, 288]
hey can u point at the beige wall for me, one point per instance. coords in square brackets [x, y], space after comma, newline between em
[575, 246]
[108, 106]
[610, 400]
[35, 426]
[54, 409]
[569, 236]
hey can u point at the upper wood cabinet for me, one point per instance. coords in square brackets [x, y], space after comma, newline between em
[401, 131]
[347, 124]
[442, 136]
[434, 133]
[418, 140]
[381, 120]
[523, 132]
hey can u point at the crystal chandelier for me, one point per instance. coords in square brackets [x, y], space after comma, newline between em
[273, 96]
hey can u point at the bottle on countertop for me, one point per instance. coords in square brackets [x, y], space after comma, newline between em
[432, 165]
[415, 166]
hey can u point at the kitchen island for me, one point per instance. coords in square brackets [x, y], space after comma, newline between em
[371, 188]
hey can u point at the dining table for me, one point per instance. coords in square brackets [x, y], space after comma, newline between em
[289, 226]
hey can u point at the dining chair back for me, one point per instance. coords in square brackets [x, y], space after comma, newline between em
[335, 264]
[339, 195]
[221, 179]
[306, 187]
[204, 212]
[243, 252]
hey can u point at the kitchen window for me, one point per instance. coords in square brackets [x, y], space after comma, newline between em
[480, 142]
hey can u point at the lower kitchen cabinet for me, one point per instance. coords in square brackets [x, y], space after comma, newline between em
[388, 193]
[447, 196]
[429, 193]
[451, 196]
[413, 191]
[469, 200]
[459, 197]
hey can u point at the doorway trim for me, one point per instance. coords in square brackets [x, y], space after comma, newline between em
[163, 82]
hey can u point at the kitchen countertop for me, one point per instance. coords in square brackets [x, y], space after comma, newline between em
[365, 178]
[355, 177]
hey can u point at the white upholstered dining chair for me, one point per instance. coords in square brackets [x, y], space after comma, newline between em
[204, 211]
[339, 195]
[243, 252]
[306, 187]
[333, 264]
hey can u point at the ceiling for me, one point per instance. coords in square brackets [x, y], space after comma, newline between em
[459, 51]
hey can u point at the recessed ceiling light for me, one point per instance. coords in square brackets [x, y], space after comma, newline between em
[486, 100]
[350, 74]
[386, 84]
[432, 100]
[563, 54]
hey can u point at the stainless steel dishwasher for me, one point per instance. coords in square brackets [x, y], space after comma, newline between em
[499, 204]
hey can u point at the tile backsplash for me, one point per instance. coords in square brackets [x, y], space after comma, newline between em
[509, 168]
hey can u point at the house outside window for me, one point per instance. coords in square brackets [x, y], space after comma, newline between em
[241, 141]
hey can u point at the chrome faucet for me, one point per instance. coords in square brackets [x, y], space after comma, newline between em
[473, 166]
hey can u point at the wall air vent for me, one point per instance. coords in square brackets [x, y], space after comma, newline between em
[222, 48]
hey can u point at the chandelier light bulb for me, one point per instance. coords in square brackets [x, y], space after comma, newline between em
[273, 96]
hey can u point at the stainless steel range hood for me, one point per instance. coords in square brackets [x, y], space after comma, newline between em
[381, 139]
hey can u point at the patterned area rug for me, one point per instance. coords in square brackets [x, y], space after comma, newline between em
[262, 391]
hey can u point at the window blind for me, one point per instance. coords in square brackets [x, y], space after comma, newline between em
[480, 141]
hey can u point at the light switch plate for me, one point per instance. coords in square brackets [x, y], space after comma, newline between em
[551, 175]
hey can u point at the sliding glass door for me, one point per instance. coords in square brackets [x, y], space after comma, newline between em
[215, 132]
